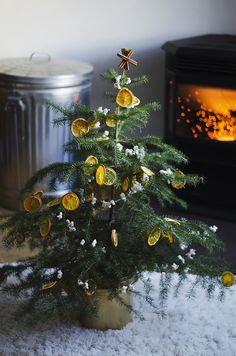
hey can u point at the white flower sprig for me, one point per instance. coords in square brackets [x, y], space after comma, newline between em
[191, 253]
[123, 196]
[175, 266]
[183, 246]
[94, 201]
[94, 243]
[125, 288]
[213, 228]
[117, 82]
[59, 274]
[48, 271]
[139, 152]
[137, 187]
[60, 216]
[119, 146]
[97, 125]
[166, 172]
[108, 204]
[86, 286]
[80, 283]
[129, 152]
[105, 133]
[181, 259]
[102, 111]
[71, 225]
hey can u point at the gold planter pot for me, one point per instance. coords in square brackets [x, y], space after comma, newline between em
[111, 313]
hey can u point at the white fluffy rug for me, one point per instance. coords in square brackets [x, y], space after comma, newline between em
[193, 327]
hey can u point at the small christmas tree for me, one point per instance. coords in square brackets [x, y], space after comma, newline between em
[103, 232]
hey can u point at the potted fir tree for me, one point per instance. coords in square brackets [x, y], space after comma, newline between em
[98, 238]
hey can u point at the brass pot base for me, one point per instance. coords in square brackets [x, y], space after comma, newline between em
[111, 314]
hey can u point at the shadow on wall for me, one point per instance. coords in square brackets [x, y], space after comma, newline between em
[151, 63]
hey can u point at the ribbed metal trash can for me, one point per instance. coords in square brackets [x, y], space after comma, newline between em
[28, 138]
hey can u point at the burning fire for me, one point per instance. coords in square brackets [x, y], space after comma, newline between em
[208, 112]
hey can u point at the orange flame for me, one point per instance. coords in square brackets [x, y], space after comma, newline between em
[211, 111]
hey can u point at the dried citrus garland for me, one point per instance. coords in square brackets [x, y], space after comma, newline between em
[228, 279]
[125, 185]
[126, 99]
[48, 285]
[110, 177]
[33, 203]
[114, 238]
[168, 236]
[79, 127]
[70, 201]
[147, 171]
[100, 175]
[110, 122]
[154, 236]
[54, 202]
[92, 160]
[176, 182]
[45, 227]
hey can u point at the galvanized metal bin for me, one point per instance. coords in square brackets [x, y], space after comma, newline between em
[28, 138]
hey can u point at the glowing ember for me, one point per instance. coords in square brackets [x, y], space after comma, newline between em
[208, 113]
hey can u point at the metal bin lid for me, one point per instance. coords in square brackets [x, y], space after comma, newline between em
[43, 71]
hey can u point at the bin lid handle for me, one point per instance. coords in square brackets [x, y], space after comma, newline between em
[37, 55]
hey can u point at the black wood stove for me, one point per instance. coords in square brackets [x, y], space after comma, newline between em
[200, 117]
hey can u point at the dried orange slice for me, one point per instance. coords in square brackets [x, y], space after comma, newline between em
[178, 183]
[228, 279]
[54, 202]
[136, 101]
[70, 201]
[90, 160]
[114, 237]
[125, 98]
[38, 193]
[110, 176]
[48, 285]
[100, 175]
[154, 236]
[110, 122]
[79, 127]
[45, 227]
[32, 203]
[125, 185]
[147, 171]
[174, 221]
[168, 236]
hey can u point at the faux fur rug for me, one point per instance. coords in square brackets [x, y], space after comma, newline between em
[192, 327]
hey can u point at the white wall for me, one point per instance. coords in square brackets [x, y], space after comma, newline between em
[94, 30]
